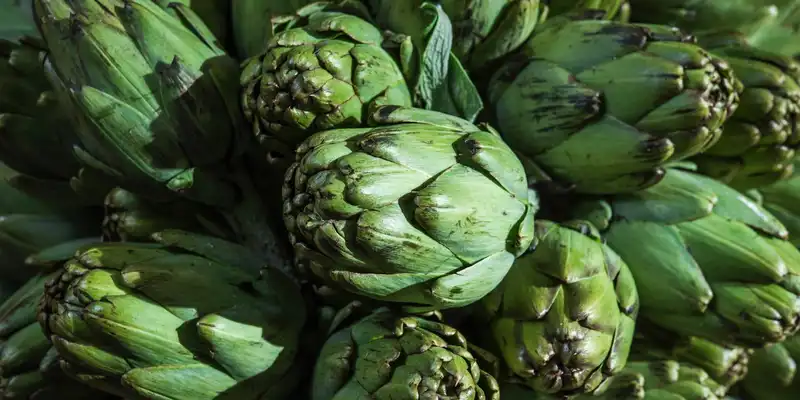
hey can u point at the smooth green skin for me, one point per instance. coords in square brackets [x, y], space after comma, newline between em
[28, 362]
[423, 209]
[252, 22]
[650, 380]
[601, 105]
[137, 320]
[758, 142]
[563, 318]
[327, 73]
[774, 372]
[708, 261]
[385, 356]
[705, 15]
[486, 30]
[156, 102]
[726, 365]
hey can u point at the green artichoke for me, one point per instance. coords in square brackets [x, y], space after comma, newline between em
[726, 365]
[759, 140]
[782, 199]
[706, 15]
[328, 70]
[130, 218]
[157, 104]
[643, 380]
[423, 209]
[387, 356]
[708, 261]
[563, 318]
[252, 22]
[774, 372]
[138, 320]
[29, 365]
[600, 106]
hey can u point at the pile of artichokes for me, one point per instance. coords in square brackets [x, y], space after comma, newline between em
[399, 200]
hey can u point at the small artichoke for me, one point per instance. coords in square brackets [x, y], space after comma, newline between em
[707, 260]
[563, 318]
[157, 103]
[600, 106]
[138, 320]
[423, 209]
[328, 70]
[386, 356]
[758, 142]
[774, 372]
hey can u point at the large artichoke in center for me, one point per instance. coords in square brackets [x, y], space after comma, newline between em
[185, 319]
[758, 142]
[563, 318]
[327, 71]
[600, 106]
[423, 208]
[385, 356]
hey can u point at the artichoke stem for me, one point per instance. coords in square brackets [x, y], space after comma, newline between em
[254, 227]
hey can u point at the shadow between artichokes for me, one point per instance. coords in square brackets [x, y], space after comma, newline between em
[600, 106]
[391, 356]
[420, 208]
[137, 320]
[563, 318]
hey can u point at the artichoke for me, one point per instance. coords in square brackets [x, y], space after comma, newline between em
[212, 15]
[707, 260]
[422, 209]
[563, 318]
[252, 22]
[388, 356]
[328, 70]
[137, 320]
[782, 199]
[707, 15]
[726, 365]
[774, 374]
[156, 102]
[759, 140]
[600, 106]
[29, 365]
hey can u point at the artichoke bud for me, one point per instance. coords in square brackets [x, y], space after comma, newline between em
[773, 371]
[157, 107]
[563, 318]
[130, 218]
[325, 71]
[415, 237]
[760, 138]
[596, 103]
[140, 315]
[379, 355]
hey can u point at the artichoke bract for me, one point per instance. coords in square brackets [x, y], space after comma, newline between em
[774, 374]
[157, 102]
[708, 261]
[389, 356]
[328, 70]
[185, 318]
[782, 199]
[487, 30]
[29, 365]
[422, 208]
[252, 25]
[705, 15]
[758, 142]
[600, 106]
[563, 318]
